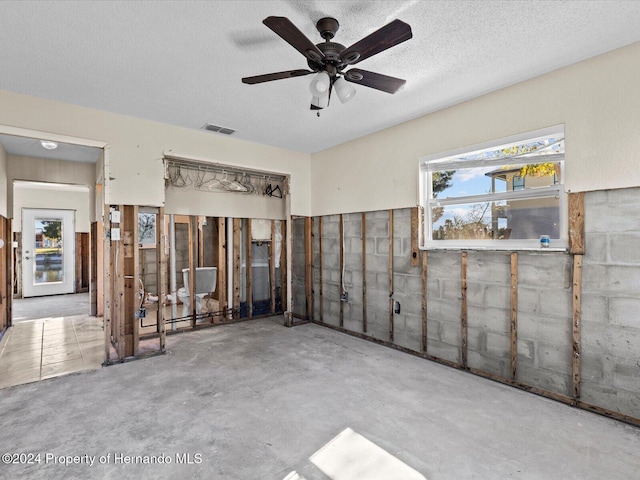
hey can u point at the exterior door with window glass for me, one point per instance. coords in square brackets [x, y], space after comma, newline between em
[48, 252]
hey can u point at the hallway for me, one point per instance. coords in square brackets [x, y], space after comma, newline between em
[51, 336]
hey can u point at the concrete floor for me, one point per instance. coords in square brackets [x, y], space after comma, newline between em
[256, 400]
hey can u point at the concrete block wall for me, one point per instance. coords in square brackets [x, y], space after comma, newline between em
[299, 289]
[610, 345]
[611, 301]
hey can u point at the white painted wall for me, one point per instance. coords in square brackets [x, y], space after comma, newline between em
[4, 193]
[136, 148]
[194, 202]
[26, 196]
[598, 100]
[50, 171]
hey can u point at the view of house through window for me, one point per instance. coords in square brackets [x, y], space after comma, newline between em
[505, 195]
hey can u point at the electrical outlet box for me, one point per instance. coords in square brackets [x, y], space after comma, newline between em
[115, 234]
[344, 297]
[396, 307]
[115, 216]
[142, 313]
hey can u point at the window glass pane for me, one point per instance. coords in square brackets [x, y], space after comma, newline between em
[49, 261]
[504, 220]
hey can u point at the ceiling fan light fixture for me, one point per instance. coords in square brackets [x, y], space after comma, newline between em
[344, 90]
[319, 86]
[320, 102]
[49, 145]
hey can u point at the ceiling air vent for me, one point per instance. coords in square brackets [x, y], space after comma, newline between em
[218, 129]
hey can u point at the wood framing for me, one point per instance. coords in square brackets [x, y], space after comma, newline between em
[424, 301]
[107, 284]
[364, 272]
[222, 267]
[341, 263]
[284, 265]
[308, 266]
[237, 232]
[6, 260]
[320, 286]
[193, 238]
[577, 319]
[249, 269]
[415, 249]
[130, 332]
[82, 262]
[391, 301]
[463, 308]
[514, 315]
[272, 267]
[161, 276]
[576, 223]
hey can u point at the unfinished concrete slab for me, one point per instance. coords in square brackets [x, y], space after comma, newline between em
[258, 400]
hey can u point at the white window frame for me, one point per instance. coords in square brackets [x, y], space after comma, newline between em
[450, 161]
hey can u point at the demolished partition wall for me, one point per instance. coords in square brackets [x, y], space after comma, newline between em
[563, 325]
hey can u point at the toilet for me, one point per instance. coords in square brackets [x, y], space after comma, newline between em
[206, 279]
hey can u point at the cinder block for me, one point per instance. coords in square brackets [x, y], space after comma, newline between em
[548, 380]
[382, 246]
[498, 296]
[353, 261]
[443, 311]
[407, 340]
[625, 312]
[528, 299]
[556, 303]
[597, 247]
[611, 398]
[489, 319]
[556, 359]
[625, 248]
[526, 351]
[443, 350]
[378, 228]
[613, 217]
[488, 363]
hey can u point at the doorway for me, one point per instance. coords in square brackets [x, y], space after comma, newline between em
[48, 252]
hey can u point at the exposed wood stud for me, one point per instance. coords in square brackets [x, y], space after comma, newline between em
[341, 263]
[424, 301]
[415, 225]
[222, 267]
[249, 268]
[514, 315]
[577, 318]
[193, 239]
[272, 268]
[308, 267]
[107, 291]
[364, 272]
[320, 286]
[200, 242]
[284, 264]
[237, 232]
[463, 313]
[576, 223]
[391, 300]
[161, 279]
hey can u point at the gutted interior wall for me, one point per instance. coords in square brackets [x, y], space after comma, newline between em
[476, 286]
[596, 100]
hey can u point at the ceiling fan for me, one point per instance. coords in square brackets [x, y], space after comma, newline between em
[329, 59]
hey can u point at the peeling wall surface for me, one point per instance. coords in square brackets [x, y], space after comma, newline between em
[610, 343]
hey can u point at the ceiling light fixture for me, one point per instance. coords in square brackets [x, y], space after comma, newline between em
[49, 145]
[320, 84]
[345, 91]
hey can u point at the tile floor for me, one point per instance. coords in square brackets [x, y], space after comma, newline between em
[49, 347]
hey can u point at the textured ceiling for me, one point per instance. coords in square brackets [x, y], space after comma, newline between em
[181, 62]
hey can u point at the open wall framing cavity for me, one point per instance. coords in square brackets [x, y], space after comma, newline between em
[171, 273]
[547, 322]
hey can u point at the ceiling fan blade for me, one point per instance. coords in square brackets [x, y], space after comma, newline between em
[386, 37]
[374, 80]
[294, 37]
[268, 77]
